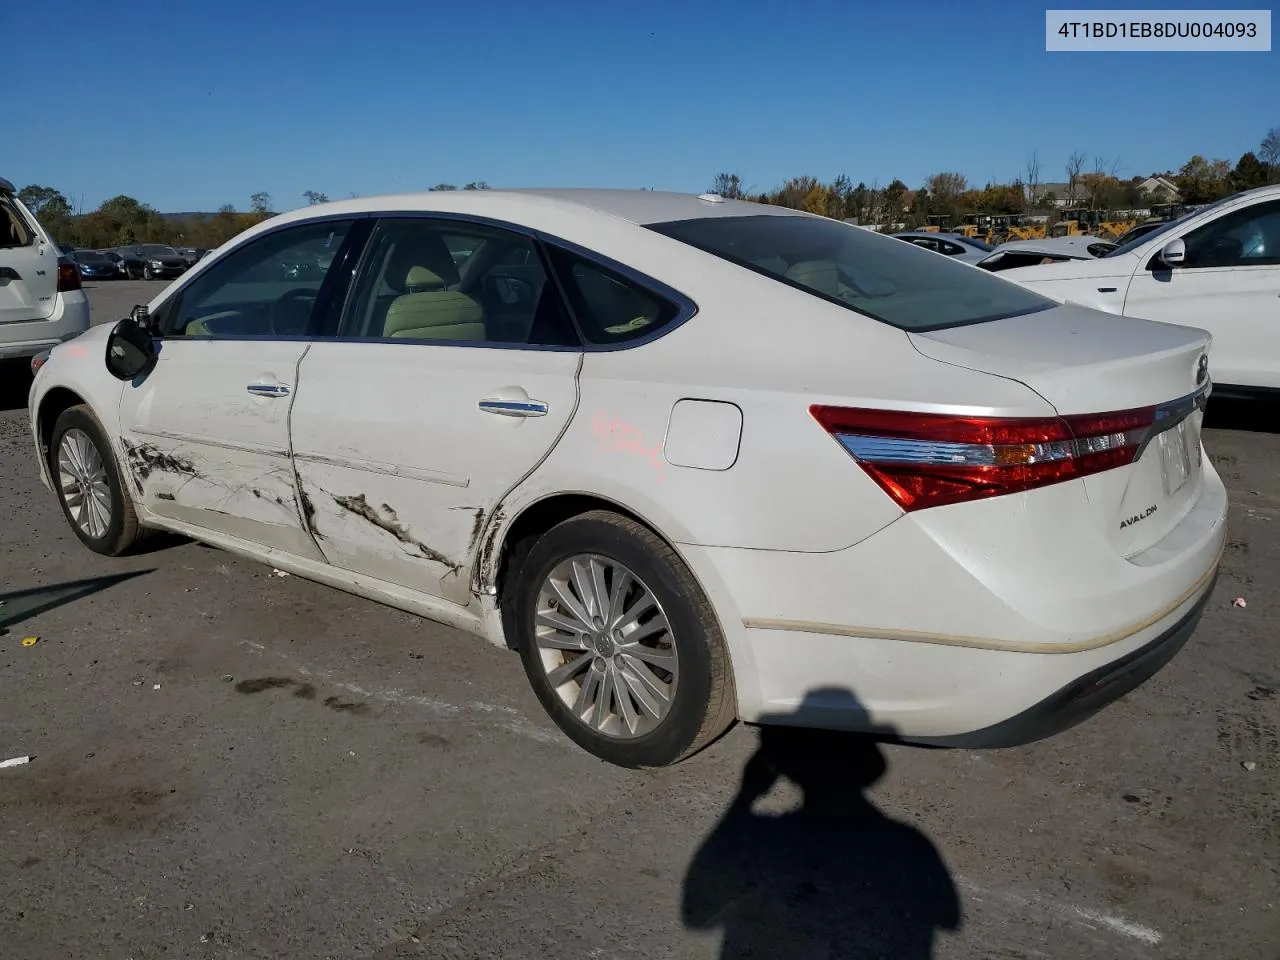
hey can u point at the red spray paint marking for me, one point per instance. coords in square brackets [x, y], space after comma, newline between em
[618, 436]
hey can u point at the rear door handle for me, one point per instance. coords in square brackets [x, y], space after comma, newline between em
[268, 389]
[514, 408]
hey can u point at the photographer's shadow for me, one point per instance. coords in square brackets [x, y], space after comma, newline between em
[834, 878]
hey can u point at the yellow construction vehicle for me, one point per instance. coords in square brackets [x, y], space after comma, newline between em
[1104, 224]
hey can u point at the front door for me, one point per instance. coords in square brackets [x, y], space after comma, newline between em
[205, 434]
[455, 375]
[1229, 284]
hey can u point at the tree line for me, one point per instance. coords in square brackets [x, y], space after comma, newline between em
[122, 220]
[1093, 184]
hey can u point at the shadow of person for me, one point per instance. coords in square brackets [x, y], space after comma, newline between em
[833, 878]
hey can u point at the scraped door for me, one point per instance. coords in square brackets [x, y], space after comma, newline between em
[456, 374]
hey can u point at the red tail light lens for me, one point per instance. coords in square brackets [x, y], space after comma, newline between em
[928, 460]
[68, 277]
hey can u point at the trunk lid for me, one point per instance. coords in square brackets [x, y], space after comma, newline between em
[1084, 361]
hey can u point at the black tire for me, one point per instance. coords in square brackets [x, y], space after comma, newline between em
[123, 530]
[704, 704]
[147, 274]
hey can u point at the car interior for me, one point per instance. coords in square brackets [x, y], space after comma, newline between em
[13, 231]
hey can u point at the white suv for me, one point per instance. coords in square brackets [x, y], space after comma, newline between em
[41, 301]
[1217, 269]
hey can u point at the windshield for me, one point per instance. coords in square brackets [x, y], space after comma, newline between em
[158, 250]
[980, 244]
[91, 256]
[896, 283]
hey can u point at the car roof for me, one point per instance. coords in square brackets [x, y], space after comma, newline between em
[639, 207]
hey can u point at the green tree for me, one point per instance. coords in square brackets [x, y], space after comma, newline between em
[1249, 172]
[728, 185]
[45, 202]
[443, 186]
[895, 199]
[1203, 181]
[314, 197]
[476, 185]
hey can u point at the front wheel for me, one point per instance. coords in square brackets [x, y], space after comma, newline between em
[147, 274]
[89, 484]
[620, 643]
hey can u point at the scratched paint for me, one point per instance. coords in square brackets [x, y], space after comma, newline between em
[614, 434]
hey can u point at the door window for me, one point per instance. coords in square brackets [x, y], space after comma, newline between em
[457, 283]
[609, 307]
[1242, 238]
[14, 231]
[266, 288]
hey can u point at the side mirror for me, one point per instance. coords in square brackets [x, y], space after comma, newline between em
[130, 349]
[1173, 253]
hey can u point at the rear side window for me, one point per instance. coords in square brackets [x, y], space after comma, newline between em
[609, 307]
[878, 276]
[14, 231]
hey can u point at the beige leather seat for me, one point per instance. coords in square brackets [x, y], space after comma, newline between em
[820, 275]
[422, 268]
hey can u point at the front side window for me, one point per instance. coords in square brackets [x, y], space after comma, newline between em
[265, 288]
[1242, 238]
[867, 273]
[454, 282]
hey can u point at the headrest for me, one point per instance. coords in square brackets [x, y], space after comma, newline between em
[422, 280]
[420, 250]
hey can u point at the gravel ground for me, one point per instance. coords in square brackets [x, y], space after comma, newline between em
[232, 764]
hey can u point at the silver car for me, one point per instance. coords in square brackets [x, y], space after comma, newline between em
[966, 249]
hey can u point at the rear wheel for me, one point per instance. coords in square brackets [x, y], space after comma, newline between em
[620, 643]
[147, 274]
[89, 484]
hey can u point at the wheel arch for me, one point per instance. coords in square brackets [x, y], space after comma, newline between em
[55, 402]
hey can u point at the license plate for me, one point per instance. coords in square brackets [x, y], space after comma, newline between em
[1180, 453]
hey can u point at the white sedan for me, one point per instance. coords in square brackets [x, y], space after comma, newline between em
[698, 460]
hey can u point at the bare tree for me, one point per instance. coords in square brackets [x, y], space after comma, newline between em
[313, 197]
[1033, 177]
[1075, 163]
[729, 186]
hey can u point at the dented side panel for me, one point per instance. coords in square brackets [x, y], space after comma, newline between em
[197, 447]
[400, 464]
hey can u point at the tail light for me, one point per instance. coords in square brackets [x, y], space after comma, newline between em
[927, 460]
[68, 277]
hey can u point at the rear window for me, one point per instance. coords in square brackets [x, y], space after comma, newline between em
[883, 278]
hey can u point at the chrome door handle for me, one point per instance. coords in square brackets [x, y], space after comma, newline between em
[514, 408]
[268, 389]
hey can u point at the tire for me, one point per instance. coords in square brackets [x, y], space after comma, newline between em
[147, 274]
[701, 699]
[121, 530]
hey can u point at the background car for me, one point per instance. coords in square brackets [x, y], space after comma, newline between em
[95, 265]
[697, 460]
[1217, 268]
[964, 249]
[152, 261]
[41, 300]
[1023, 253]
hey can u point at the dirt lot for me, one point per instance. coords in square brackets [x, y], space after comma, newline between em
[233, 764]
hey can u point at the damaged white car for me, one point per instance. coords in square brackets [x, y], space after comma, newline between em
[1027, 253]
[696, 459]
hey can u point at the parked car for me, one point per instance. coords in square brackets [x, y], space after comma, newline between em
[965, 249]
[1024, 253]
[97, 266]
[41, 300]
[152, 261]
[1141, 230]
[696, 459]
[115, 258]
[1217, 267]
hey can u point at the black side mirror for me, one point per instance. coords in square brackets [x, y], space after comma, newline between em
[130, 349]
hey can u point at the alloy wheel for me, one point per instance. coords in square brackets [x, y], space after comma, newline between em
[606, 645]
[82, 480]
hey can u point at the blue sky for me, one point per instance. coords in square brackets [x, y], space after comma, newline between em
[191, 105]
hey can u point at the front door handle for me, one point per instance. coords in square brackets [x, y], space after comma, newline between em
[268, 389]
[514, 408]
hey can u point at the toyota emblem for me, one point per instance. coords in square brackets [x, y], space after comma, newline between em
[1202, 369]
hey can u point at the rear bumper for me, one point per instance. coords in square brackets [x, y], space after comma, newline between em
[1079, 700]
[1011, 625]
[25, 339]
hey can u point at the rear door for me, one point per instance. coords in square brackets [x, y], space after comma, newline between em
[1230, 285]
[28, 263]
[455, 375]
[205, 434]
